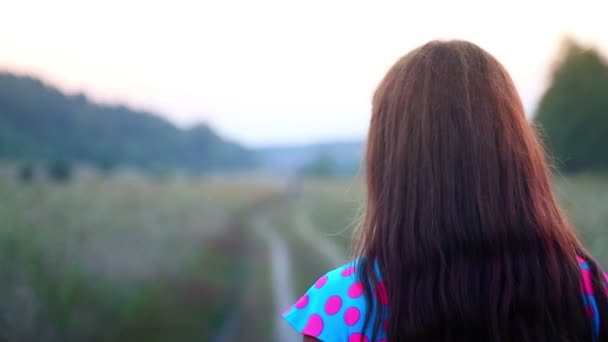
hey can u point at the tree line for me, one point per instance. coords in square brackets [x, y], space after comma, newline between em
[39, 123]
[573, 113]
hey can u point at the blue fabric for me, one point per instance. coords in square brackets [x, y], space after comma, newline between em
[333, 309]
[590, 302]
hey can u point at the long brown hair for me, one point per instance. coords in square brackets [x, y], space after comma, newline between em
[460, 219]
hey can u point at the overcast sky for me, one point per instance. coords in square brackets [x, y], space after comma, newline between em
[266, 72]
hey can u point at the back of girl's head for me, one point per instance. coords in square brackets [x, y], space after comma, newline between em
[460, 214]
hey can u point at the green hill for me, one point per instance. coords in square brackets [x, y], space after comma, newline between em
[40, 123]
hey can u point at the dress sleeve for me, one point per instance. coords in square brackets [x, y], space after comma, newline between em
[331, 308]
[589, 297]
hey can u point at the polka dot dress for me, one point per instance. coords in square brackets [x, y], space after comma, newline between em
[334, 308]
[589, 297]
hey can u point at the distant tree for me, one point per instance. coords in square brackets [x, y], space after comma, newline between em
[105, 166]
[59, 171]
[323, 165]
[573, 112]
[25, 172]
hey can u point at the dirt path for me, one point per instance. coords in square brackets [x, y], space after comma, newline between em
[279, 260]
[307, 231]
[281, 277]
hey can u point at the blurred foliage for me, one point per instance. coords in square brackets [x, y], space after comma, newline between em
[38, 122]
[573, 113]
[26, 172]
[123, 258]
[59, 170]
[327, 164]
[584, 199]
[322, 166]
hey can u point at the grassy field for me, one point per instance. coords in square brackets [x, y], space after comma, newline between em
[121, 258]
[584, 199]
[124, 257]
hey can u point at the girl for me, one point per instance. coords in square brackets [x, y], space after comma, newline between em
[462, 239]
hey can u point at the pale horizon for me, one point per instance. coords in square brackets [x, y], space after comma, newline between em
[272, 72]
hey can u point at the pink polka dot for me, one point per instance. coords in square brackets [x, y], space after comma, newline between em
[355, 290]
[314, 327]
[302, 302]
[333, 305]
[351, 316]
[356, 337]
[579, 259]
[348, 271]
[587, 282]
[381, 293]
[321, 282]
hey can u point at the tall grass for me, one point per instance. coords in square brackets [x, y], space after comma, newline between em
[584, 199]
[119, 258]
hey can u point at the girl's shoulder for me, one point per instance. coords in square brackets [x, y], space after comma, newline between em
[334, 308]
